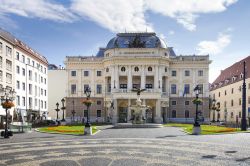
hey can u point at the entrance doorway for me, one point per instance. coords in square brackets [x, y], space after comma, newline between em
[123, 114]
[149, 116]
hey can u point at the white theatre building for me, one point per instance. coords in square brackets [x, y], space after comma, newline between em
[137, 60]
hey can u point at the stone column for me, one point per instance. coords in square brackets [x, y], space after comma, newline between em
[160, 79]
[129, 78]
[158, 118]
[112, 77]
[156, 83]
[143, 78]
[117, 77]
[115, 112]
[129, 111]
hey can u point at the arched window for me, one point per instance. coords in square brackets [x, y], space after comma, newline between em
[123, 69]
[107, 69]
[150, 68]
[174, 114]
[186, 114]
[136, 69]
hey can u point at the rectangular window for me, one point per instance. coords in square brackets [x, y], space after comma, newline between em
[44, 80]
[1, 61]
[23, 71]
[8, 78]
[35, 90]
[18, 100]
[86, 73]
[35, 77]
[239, 101]
[232, 90]
[17, 69]
[173, 102]
[186, 89]
[73, 89]
[30, 102]
[23, 58]
[240, 88]
[1, 76]
[23, 84]
[173, 88]
[98, 102]
[73, 73]
[138, 86]
[174, 73]
[30, 89]
[17, 56]
[45, 70]
[99, 113]
[99, 73]
[18, 84]
[186, 102]
[149, 86]
[28, 61]
[200, 88]
[85, 86]
[45, 93]
[200, 73]
[35, 102]
[41, 91]
[1, 47]
[85, 113]
[8, 51]
[187, 73]
[8, 65]
[232, 103]
[23, 101]
[45, 105]
[123, 86]
[225, 92]
[30, 75]
[41, 104]
[98, 89]
[33, 63]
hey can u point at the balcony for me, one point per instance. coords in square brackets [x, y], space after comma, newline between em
[126, 93]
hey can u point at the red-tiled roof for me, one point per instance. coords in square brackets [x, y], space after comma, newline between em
[231, 74]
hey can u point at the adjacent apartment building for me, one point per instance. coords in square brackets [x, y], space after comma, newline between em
[227, 91]
[25, 70]
[137, 60]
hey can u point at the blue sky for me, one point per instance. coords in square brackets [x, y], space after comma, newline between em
[62, 28]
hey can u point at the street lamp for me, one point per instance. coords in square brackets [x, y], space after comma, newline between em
[7, 97]
[73, 111]
[57, 110]
[213, 108]
[87, 92]
[196, 128]
[218, 111]
[63, 108]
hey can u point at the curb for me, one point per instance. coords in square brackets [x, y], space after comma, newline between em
[37, 130]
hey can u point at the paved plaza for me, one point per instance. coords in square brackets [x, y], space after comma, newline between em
[120, 147]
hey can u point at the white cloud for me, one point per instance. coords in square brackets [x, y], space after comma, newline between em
[116, 15]
[43, 9]
[214, 47]
[171, 32]
[187, 11]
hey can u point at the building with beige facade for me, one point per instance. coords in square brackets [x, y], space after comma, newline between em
[137, 60]
[226, 90]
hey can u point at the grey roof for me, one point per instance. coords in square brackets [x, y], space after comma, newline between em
[136, 40]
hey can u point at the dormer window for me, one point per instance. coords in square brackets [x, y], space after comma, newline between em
[233, 78]
[241, 75]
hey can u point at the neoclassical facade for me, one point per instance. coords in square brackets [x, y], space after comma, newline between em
[137, 60]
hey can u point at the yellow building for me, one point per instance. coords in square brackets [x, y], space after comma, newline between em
[137, 60]
[226, 90]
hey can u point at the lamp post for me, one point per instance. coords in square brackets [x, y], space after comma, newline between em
[73, 111]
[63, 108]
[7, 96]
[243, 119]
[57, 110]
[87, 92]
[218, 111]
[196, 127]
[213, 108]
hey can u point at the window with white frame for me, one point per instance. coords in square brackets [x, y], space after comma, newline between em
[23, 101]
[8, 65]
[1, 61]
[23, 58]
[200, 73]
[18, 84]
[187, 73]
[73, 88]
[8, 78]
[8, 51]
